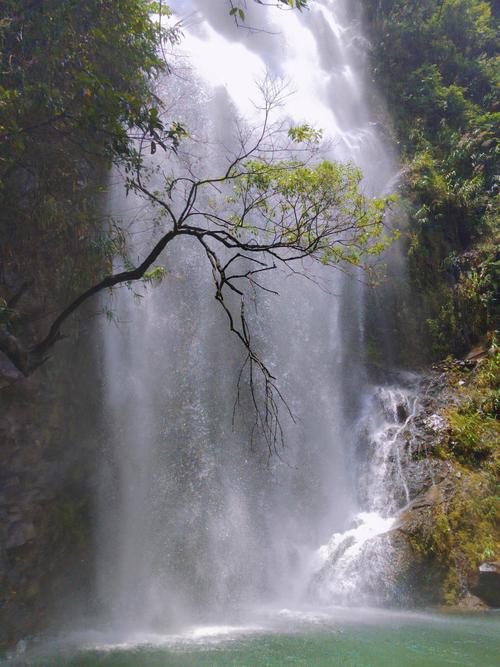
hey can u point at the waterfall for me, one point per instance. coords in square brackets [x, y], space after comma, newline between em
[350, 565]
[193, 520]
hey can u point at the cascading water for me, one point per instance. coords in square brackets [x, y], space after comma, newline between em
[350, 564]
[193, 520]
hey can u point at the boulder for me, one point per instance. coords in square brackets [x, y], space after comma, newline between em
[488, 583]
[412, 579]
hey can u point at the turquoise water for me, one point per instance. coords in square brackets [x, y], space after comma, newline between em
[369, 638]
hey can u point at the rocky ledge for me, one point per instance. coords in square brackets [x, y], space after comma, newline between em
[443, 550]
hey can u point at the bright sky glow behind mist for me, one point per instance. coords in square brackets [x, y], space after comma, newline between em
[232, 63]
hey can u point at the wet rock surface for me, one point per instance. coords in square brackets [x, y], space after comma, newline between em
[488, 583]
[44, 501]
[419, 546]
[429, 555]
[417, 579]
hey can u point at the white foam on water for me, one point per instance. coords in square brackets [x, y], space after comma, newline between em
[368, 525]
[198, 635]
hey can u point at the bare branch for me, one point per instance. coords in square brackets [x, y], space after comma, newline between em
[275, 205]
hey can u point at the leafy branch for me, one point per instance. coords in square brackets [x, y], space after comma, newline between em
[276, 203]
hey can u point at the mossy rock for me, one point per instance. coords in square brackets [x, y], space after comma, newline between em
[442, 538]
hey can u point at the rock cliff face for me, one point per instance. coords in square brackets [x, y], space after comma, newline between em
[440, 550]
[428, 534]
[46, 454]
[443, 546]
[45, 490]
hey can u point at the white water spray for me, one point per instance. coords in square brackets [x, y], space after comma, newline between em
[193, 522]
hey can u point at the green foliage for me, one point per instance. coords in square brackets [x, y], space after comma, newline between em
[474, 423]
[306, 133]
[464, 311]
[437, 64]
[319, 210]
[296, 4]
[155, 275]
[474, 434]
[159, 8]
[463, 529]
[471, 517]
[460, 534]
[75, 93]
[78, 69]
[237, 11]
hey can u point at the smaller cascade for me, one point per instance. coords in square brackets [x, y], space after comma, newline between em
[386, 427]
[352, 567]
[347, 561]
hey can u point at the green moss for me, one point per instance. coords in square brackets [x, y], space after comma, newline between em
[488, 373]
[462, 531]
[474, 425]
[473, 518]
[474, 436]
[461, 534]
[451, 587]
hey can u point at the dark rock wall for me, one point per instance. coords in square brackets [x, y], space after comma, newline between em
[46, 480]
[446, 539]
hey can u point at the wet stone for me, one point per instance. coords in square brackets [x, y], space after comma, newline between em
[402, 412]
[488, 584]
[20, 533]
